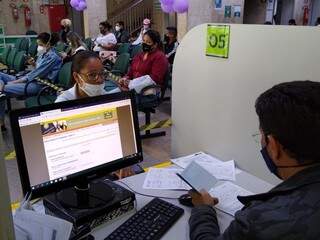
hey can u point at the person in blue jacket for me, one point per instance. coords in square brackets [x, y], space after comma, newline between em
[47, 66]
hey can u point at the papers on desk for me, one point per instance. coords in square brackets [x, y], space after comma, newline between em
[165, 179]
[227, 193]
[219, 169]
[30, 225]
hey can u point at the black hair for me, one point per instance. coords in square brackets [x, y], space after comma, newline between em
[121, 23]
[155, 37]
[290, 112]
[292, 22]
[75, 39]
[106, 25]
[173, 30]
[46, 38]
[80, 59]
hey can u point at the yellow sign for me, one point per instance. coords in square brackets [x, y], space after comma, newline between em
[218, 38]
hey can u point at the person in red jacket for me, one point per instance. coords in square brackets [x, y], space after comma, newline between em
[152, 61]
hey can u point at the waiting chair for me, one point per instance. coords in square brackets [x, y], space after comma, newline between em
[121, 64]
[33, 49]
[24, 45]
[60, 47]
[136, 50]
[123, 48]
[48, 94]
[89, 43]
[5, 55]
[10, 60]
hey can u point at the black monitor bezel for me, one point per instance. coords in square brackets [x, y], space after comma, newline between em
[90, 174]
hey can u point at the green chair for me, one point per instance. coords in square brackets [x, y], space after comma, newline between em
[33, 49]
[89, 43]
[18, 43]
[136, 50]
[121, 65]
[60, 47]
[48, 94]
[10, 59]
[5, 55]
[19, 63]
[24, 45]
[123, 48]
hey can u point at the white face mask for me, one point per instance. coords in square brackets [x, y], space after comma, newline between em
[93, 90]
[41, 50]
[117, 28]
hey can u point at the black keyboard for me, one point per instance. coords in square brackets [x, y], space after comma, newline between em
[149, 223]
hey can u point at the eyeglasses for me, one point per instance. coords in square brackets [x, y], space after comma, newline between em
[95, 76]
[257, 137]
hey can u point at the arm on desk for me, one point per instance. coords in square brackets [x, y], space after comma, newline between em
[204, 225]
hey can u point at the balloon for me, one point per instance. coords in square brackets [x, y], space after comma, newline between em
[82, 5]
[181, 6]
[167, 2]
[167, 8]
[74, 3]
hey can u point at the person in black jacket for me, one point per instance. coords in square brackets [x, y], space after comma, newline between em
[171, 44]
[121, 34]
[289, 116]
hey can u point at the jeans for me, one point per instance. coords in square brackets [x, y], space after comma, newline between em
[14, 90]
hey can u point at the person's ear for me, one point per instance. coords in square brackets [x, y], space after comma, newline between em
[77, 78]
[274, 148]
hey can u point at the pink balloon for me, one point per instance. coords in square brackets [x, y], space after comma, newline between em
[167, 2]
[167, 8]
[82, 5]
[181, 6]
[74, 3]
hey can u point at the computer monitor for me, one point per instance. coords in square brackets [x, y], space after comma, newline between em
[64, 147]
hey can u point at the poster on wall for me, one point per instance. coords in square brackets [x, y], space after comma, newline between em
[218, 38]
[237, 11]
[217, 4]
[227, 11]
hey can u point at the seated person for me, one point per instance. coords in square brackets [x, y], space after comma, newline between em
[289, 118]
[106, 40]
[121, 34]
[88, 74]
[146, 27]
[151, 61]
[75, 45]
[171, 44]
[47, 66]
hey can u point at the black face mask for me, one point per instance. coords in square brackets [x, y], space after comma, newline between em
[146, 47]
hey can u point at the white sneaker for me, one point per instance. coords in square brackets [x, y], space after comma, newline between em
[2, 95]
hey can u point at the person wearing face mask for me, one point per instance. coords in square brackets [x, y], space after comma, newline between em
[106, 40]
[47, 66]
[146, 27]
[121, 34]
[75, 45]
[171, 44]
[289, 118]
[65, 29]
[152, 61]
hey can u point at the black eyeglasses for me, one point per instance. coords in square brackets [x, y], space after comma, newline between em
[95, 76]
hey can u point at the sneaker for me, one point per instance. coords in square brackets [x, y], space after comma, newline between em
[2, 95]
[3, 128]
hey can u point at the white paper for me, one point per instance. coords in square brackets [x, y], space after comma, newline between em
[165, 179]
[227, 194]
[221, 170]
[37, 224]
[200, 157]
[140, 83]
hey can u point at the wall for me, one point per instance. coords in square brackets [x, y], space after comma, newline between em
[254, 12]
[213, 98]
[206, 12]
[116, 6]
[92, 16]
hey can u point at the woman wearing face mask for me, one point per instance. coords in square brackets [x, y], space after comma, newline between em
[65, 29]
[171, 44]
[121, 34]
[75, 45]
[106, 40]
[47, 66]
[152, 61]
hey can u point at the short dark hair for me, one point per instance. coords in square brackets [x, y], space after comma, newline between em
[290, 112]
[292, 22]
[173, 30]
[80, 59]
[154, 35]
[51, 38]
[121, 23]
[106, 25]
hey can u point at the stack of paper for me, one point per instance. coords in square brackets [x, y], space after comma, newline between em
[219, 169]
[227, 194]
[165, 179]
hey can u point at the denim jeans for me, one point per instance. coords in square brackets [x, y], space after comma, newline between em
[14, 90]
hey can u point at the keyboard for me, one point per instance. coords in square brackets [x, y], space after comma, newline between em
[149, 223]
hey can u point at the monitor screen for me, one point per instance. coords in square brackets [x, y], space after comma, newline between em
[61, 143]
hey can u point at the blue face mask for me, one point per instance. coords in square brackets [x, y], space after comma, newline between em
[270, 164]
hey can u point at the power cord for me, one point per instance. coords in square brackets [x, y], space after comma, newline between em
[146, 195]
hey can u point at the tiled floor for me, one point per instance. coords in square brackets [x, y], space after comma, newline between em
[155, 150]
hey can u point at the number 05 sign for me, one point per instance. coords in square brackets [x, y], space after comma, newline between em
[218, 37]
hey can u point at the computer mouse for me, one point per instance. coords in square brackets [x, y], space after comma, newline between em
[186, 200]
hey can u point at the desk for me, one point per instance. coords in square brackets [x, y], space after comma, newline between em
[180, 229]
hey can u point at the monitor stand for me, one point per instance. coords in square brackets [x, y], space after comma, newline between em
[86, 195]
